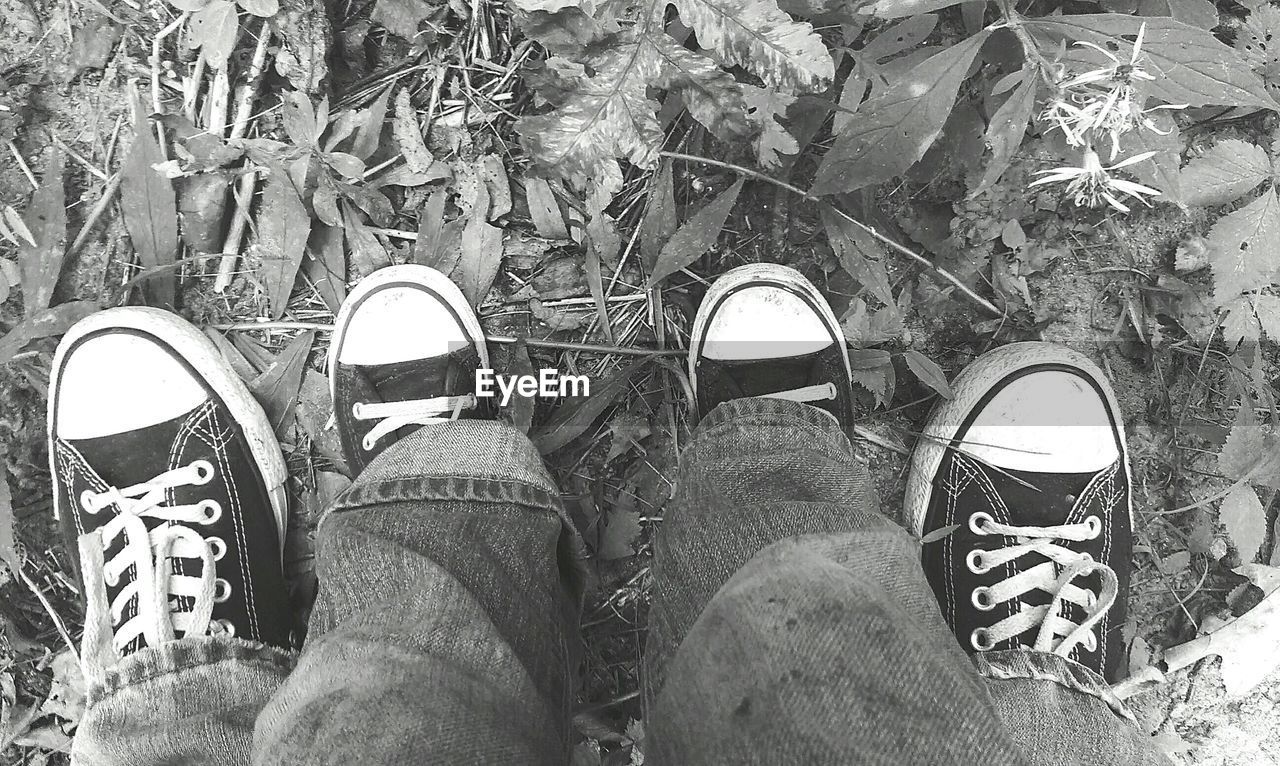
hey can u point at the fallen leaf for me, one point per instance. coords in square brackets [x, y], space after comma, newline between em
[45, 323]
[520, 409]
[213, 30]
[626, 431]
[1251, 452]
[243, 368]
[202, 204]
[575, 417]
[481, 252]
[495, 179]
[325, 264]
[276, 389]
[401, 17]
[408, 134]
[8, 540]
[93, 44]
[768, 108]
[1245, 519]
[314, 409]
[46, 222]
[696, 236]
[283, 230]
[66, 698]
[544, 210]
[928, 372]
[367, 254]
[622, 529]
[659, 222]
[368, 135]
[938, 534]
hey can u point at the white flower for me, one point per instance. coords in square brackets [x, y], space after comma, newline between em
[1091, 183]
[1118, 72]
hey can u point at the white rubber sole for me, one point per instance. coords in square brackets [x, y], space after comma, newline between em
[410, 273]
[760, 273]
[203, 357]
[970, 386]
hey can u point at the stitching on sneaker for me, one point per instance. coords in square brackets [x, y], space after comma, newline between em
[179, 446]
[237, 523]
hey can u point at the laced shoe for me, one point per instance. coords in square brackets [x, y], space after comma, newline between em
[1028, 462]
[764, 330]
[168, 482]
[405, 350]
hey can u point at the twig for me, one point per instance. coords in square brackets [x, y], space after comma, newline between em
[22, 165]
[235, 236]
[588, 348]
[247, 93]
[104, 202]
[920, 259]
[48, 608]
[78, 157]
[156, 106]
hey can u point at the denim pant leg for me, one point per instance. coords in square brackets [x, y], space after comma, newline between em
[792, 623]
[192, 701]
[449, 602]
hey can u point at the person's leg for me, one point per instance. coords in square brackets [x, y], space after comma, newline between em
[791, 622]
[1028, 464]
[448, 605]
[168, 484]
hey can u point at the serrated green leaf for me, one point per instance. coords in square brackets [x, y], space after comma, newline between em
[1191, 66]
[1197, 13]
[696, 236]
[1008, 126]
[1243, 248]
[1245, 519]
[1228, 171]
[603, 115]
[767, 107]
[928, 372]
[1252, 453]
[859, 253]
[1239, 323]
[713, 99]
[899, 125]
[261, 8]
[758, 36]
[1268, 309]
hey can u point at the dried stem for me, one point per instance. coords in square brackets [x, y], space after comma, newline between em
[985, 304]
[104, 202]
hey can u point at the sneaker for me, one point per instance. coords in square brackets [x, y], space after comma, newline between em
[764, 330]
[1028, 463]
[169, 482]
[405, 350]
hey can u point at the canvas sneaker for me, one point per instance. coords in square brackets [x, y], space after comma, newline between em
[764, 330]
[1028, 463]
[168, 483]
[405, 350]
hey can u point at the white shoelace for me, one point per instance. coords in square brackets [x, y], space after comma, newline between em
[806, 394]
[392, 416]
[1056, 633]
[155, 587]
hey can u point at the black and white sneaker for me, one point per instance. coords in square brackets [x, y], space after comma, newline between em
[405, 350]
[169, 483]
[1028, 462]
[764, 330]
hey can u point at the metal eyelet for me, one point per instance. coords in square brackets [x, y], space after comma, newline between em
[221, 590]
[86, 502]
[1090, 642]
[980, 639]
[981, 598]
[978, 522]
[204, 471]
[368, 444]
[219, 547]
[1095, 527]
[356, 409]
[109, 580]
[212, 511]
[226, 627]
[974, 560]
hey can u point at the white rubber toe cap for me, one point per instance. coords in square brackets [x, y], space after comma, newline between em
[398, 324]
[1048, 421]
[764, 322]
[119, 382]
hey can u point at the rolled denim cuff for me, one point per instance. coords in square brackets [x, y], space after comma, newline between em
[174, 657]
[763, 410]
[1045, 666]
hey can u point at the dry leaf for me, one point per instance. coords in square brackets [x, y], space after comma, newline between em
[283, 229]
[659, 221]
[696, 236]
[481, 252]
[408, 134]
[544, 210]
[276, 389]
[45, 323]
[575, 417]
[40, 262]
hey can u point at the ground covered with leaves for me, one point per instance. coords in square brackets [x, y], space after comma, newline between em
[954, 176]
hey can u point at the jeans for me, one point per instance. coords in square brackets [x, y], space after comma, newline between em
[791, 623]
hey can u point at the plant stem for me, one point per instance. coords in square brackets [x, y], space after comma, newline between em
[985, 304]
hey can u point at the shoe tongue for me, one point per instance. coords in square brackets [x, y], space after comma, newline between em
[450, 375]
[760, 378]
[1038, 499]
[133, 457]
